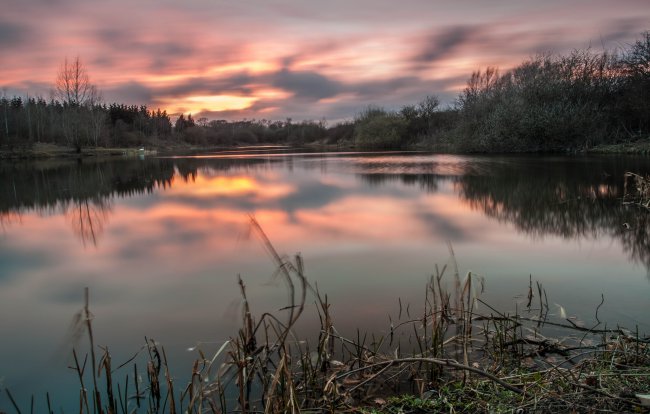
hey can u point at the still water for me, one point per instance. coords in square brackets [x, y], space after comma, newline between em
[160, 242]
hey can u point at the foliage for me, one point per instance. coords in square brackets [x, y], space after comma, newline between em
[634, 109]
[558, 103]
[377, 128]
[545, 104]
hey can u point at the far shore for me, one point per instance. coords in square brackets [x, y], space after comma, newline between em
[48, 151]
[44, 151]
[641, 146]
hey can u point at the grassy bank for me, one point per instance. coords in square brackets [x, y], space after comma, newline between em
[42, 150]
[45, 150]
[641, 146]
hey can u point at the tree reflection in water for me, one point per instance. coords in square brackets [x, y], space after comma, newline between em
[83, 191]
[88, 218]
[572, 198]
[8, 218]
[564, 198]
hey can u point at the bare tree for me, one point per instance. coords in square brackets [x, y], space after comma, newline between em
[73, 85]
[82, 120]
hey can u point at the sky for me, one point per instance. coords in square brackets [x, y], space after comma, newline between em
[307, 59]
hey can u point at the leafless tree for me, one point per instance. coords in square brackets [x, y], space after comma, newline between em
[73, 85]
[83, 122]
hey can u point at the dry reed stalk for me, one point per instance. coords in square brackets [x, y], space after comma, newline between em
[13, 402]
[80, 373]
[153, 371]
[137, 385]
[88, 317]
[105, 362]
[170, 385]
[49, 403]
[636, 190]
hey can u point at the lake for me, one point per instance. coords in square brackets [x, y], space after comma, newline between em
[160, 242]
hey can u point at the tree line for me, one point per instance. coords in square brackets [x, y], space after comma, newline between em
[549, 102]
[26, 121]
[75, 117]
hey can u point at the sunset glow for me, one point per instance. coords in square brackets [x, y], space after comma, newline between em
[216, 103]
[293, 59]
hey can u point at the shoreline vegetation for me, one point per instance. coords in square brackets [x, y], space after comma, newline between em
[455, 353]
[583, 101]
[45, 151]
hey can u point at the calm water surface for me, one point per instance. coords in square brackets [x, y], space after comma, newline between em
[160, 243]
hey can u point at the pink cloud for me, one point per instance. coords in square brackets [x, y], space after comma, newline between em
[330, 60]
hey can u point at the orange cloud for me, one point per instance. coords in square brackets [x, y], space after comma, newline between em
[211, 103]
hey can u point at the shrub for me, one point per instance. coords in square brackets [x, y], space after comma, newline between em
[377, 128]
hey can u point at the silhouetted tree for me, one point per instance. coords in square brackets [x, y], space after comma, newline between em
[79, 97]
[180, 123]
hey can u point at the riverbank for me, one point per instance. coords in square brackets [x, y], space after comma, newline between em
[45, 151]
[641, 146]
[39, 151]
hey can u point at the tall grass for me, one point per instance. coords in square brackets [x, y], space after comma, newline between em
[448, 357]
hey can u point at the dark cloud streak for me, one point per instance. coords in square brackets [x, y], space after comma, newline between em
[12, 34]
[441, 44]
[306, 84]
[132, 93]
[163, 52]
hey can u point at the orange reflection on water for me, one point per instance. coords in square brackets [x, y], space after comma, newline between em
[229, 186]
[362, 218]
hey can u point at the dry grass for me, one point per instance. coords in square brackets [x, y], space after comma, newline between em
[449, 358]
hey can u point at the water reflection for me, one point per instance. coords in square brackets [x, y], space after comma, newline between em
[88, 218]
[571, 198]
[83, 191]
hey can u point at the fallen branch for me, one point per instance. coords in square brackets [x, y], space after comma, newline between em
[442, 362]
